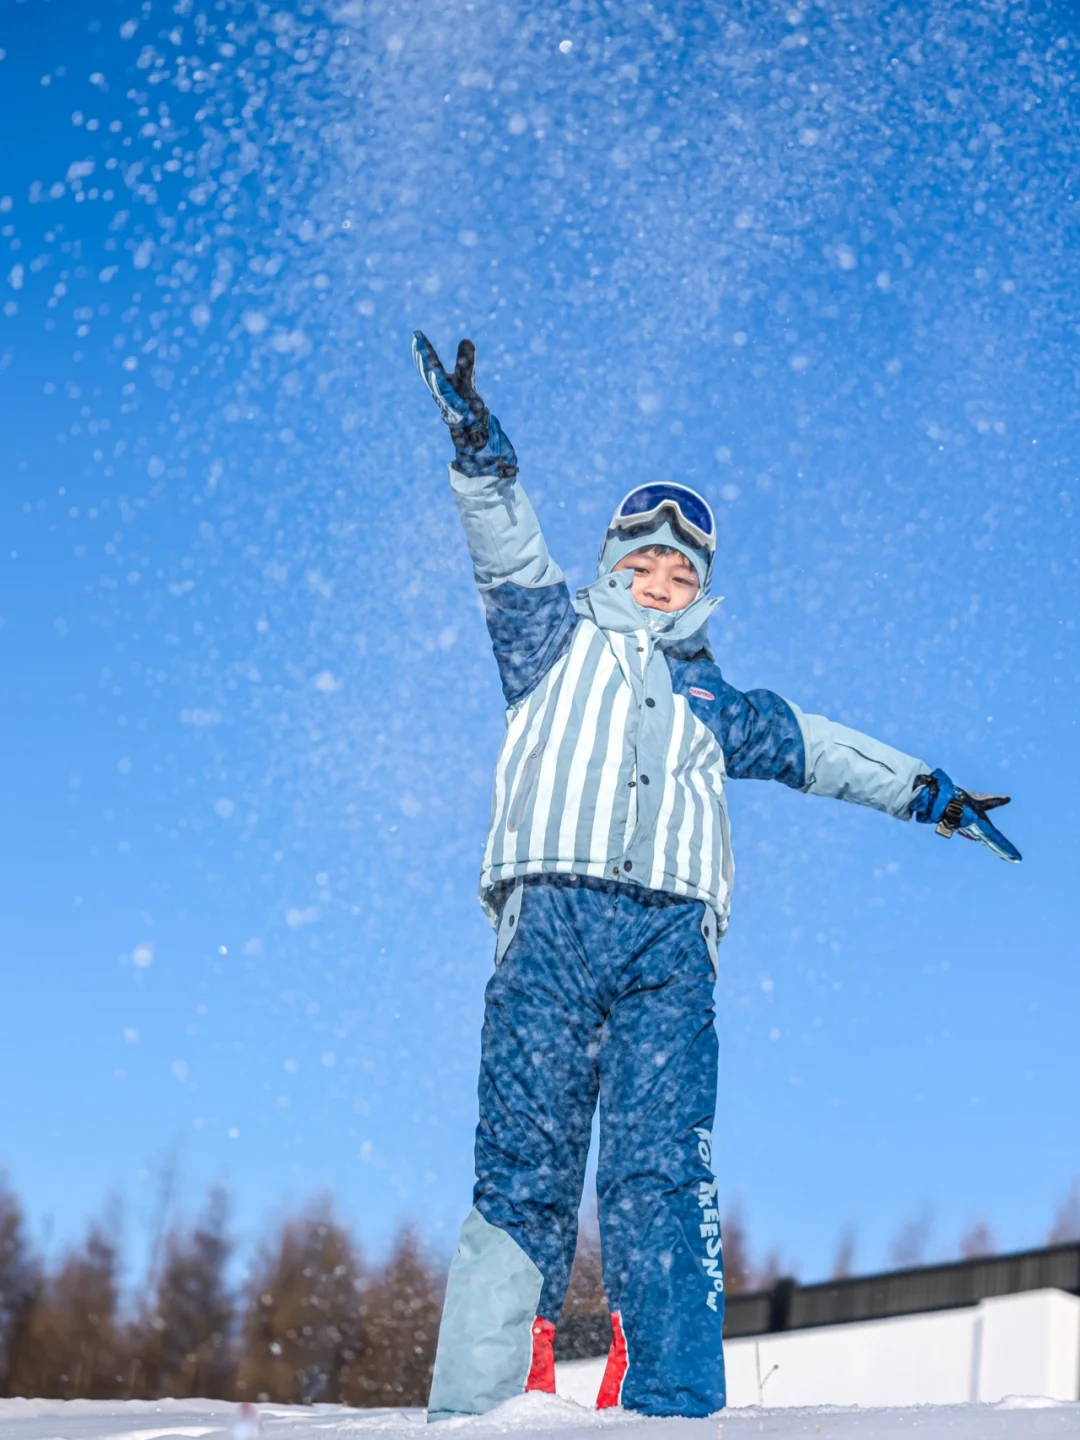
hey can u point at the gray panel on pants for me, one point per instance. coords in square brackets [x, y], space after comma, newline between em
[485, 1339]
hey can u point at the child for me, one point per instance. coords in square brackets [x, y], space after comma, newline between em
[607, 873]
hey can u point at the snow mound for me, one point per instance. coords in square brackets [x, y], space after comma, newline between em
[535, 1411]
[1026, 1402]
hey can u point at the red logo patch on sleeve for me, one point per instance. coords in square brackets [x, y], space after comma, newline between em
[701, 694]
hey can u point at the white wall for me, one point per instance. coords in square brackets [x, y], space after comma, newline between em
[1026, 1344]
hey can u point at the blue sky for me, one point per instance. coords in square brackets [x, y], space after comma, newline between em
[820, 266]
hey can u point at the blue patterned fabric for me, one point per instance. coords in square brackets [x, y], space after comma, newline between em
[606, 995]
[757, 730]
[530, 627]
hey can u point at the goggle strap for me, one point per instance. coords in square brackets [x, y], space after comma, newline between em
[646, 520]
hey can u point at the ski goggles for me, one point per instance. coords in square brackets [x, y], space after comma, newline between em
[644, 508]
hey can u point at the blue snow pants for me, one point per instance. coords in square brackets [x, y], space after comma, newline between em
[605, 994]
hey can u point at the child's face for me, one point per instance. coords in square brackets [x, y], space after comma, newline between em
[661, 582]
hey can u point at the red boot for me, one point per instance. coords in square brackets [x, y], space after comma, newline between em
[615, 1370]
[542, 1370]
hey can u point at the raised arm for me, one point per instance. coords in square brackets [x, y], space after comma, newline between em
[765, 737]
[529, 613]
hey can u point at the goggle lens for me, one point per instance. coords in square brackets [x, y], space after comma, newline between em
[648, 497]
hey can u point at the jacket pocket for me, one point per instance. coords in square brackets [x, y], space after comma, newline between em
[529, 771]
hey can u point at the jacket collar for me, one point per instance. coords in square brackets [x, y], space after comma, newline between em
[609, 603]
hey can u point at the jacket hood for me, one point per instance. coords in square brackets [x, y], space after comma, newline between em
[616, 547]
[609, 603]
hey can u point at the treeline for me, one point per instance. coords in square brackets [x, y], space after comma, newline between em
[314, 1321]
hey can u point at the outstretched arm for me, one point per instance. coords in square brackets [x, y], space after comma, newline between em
[765, 737]
[848, 765]
[845, 764]
[529, 613]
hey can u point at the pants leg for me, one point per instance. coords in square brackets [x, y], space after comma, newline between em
[663, 1266]
[538, 1088]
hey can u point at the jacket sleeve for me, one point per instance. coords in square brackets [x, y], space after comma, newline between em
[530, 616]
[848, 765]
[765, 737]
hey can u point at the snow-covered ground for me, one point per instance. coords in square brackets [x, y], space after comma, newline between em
[538, 1416]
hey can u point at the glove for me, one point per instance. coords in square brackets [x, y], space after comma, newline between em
[939, 802]
[480, 447]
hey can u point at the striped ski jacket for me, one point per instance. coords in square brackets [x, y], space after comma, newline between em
[621, 730]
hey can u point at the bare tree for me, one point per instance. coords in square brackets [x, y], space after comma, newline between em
[20, 1285]
[977, 1239]
[738, 1272]
[74, 1346]
[844, 1260]
[585, 1295]
[765, 1276]
[401, 1312]
[303, 1329]
[909, 1246]
[1066, 1226]
[184, 1338]
[168, 1185]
